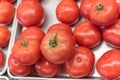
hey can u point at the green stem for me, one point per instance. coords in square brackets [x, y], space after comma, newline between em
[99, 7]
[25, 43]
[53, 42]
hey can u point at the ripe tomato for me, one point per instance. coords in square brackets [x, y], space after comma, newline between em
[1, 58]
[85, 7]
[30, 0]
[108, 65]
[19, 69]
[104, 12]
[60, 26]
[47, 69]
[81, 64]
[6, 12]
[11, 1]
[30, 13]
[33, 32]
[67, 12]
[57, 46]
[26, 51]
[112, 34]
[87, 34]
[4, 36]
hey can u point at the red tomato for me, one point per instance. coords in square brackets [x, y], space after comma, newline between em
[19, 69]
[11, 1]
[60, 26]
[87, 34]
[30, 0]
[4, 36]
[85, 7]
[47, 69]
[112, 34]
[57, 46]
[1, 58]
[104, 12]
[33, 32]
[6, 12]
[81, 64]
[30, 13]
[108, 65]
[26, 51]
[67, 12]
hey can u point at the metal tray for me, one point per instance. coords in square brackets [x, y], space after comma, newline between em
[50, 7]
[6, 49]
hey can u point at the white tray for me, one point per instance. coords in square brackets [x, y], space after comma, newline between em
[3, 78]
[6, 49]
[50, 7]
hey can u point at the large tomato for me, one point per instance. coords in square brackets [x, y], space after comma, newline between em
[81, 64]
[30, 13]
[1, 58]
[47, 69]
[57, 46]
[112, 34]
[104, 12]
[6, 12]
[33, 32]
[26, 51]
[67, 12]
[60, 26]
[87, 34]
[108, 65]
[11, 1]
[4, 36]
[85, 6]
[17, 68]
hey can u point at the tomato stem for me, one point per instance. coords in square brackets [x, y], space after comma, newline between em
[25, 43]
[53, 42]
[99, 7]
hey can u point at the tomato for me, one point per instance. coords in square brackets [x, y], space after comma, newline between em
[1, 58]
[81, 64]
[30, 13]
[26, 51]
[104, 12]
[30, 0]
[87, 34]
[67, 12]
[112, 34]
[47, 69]
[11, 1]
[108, 65]
[4, 36]
[17, 68]
[33, 32]
[57, 46]
[85, 6]
[6, 12]
[60, 26]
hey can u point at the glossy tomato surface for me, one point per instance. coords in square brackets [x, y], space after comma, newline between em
[2, 59]
[11, 1]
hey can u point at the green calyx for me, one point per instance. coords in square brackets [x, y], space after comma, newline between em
[25, 43]
[99, 7]
[53, 42]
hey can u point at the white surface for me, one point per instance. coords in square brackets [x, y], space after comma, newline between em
[49, 7]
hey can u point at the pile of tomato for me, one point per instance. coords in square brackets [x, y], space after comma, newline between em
[63, 47]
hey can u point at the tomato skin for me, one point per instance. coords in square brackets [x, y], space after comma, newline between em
[67, 12]
[1, 58]
[81, 64]
[17, 68]
[47, 69]
[4, 36]
[26, 51]
[30, 13]
[33, 32]
[60, 26]
[6, 12]
[85, 7]
[108, 65]
[104, 13]
[118, 4]
[30, 0]
[87, 34]
[112, 34]
[11, 1]
[57, 46]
